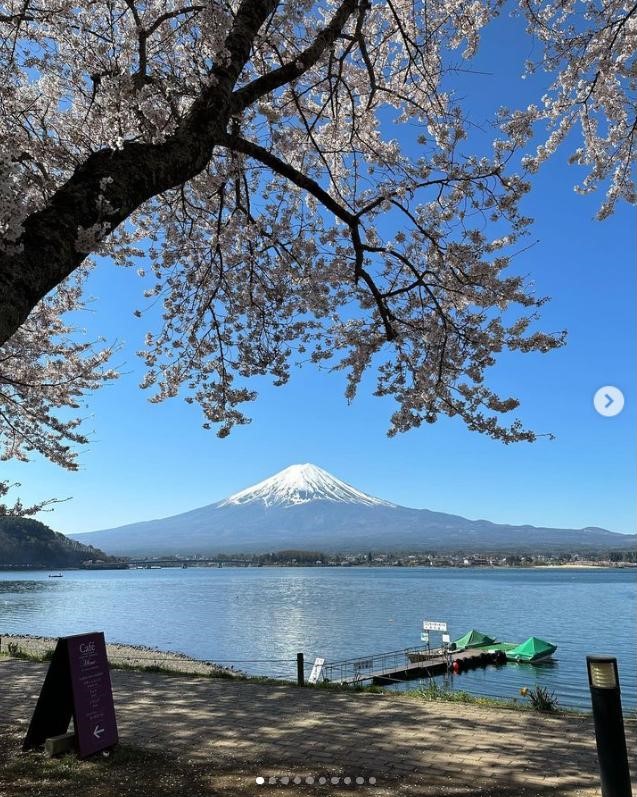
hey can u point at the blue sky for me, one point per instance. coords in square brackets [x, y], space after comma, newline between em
[146, 461]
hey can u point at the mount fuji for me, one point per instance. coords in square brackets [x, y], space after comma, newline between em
[300, 484]
[305, 507]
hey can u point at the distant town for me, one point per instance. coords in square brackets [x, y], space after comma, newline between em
[298, 558]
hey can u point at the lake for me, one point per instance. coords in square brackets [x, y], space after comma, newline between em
[257, 619]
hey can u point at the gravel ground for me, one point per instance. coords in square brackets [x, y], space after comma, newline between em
[135, 656]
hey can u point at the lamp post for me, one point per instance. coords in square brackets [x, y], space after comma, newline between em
[603, 680]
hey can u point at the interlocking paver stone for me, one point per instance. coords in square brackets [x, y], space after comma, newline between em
[238, 721]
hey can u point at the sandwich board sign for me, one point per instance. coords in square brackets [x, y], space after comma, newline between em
[77, 685]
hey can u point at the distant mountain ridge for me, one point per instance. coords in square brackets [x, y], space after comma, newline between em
[304, 506]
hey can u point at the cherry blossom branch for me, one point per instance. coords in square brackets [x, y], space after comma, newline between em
[285, 74]
[238, 144]
[144, 33]
[18, 509]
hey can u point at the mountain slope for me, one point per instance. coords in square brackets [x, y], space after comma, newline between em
[28, 543]
[305, 507]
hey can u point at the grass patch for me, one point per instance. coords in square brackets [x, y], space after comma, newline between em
[336, 686]
[16, 652]
[168, 670]
[121, 773]
[433, 692]
[539, 699]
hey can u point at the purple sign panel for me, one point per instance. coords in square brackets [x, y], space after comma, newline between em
[93, 712]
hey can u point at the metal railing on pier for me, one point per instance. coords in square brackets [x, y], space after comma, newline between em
[366, 668]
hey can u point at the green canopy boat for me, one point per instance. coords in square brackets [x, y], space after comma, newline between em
[473, 639]
[532, 650]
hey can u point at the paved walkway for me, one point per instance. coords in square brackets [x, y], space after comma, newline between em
[283, 728]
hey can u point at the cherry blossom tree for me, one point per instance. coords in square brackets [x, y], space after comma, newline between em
[239, 155]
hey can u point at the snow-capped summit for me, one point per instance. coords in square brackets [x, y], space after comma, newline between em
[300, 484]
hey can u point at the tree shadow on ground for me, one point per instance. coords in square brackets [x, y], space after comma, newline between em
[238, 730]
[135, 772]
[472, 747]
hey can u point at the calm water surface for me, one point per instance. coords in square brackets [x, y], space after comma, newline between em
[259, 618]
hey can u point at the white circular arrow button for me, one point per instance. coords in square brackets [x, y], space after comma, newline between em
[609, 401]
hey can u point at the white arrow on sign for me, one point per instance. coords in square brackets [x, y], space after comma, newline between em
[98, 731]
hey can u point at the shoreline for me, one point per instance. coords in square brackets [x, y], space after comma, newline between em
[250, 566]
[123, 656]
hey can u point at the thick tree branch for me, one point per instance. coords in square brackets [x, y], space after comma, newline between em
[46, 253]
[238, 144]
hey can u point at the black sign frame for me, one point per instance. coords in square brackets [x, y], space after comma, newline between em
[77, 685]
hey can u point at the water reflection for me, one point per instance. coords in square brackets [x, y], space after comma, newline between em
[259, 618]
[17, 587]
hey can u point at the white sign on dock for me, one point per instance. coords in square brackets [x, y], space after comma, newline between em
[433, 625]
[446, 639]
[316, 670]
[424, 636]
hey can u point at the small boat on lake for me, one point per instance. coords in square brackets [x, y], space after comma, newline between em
[56, 575]
[531, 651]
[473, 639]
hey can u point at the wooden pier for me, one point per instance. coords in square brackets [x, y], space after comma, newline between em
[397, 665]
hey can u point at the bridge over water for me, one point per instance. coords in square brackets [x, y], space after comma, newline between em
[150, 563]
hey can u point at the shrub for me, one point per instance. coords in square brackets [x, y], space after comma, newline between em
[13, 649]
[542, 700]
